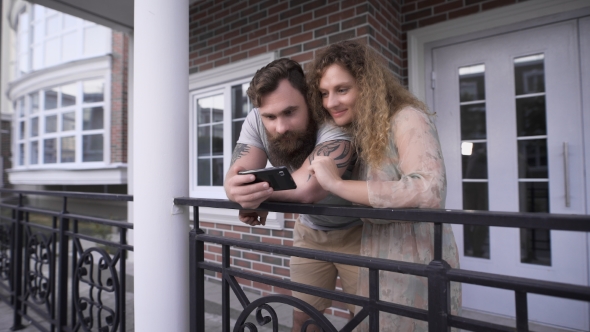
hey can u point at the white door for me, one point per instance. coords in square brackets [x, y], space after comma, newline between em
[509, 117]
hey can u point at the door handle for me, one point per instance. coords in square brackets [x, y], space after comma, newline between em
[566, 174]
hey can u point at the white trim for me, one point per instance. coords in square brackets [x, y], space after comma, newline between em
[230, 72]
[274, 220]
[495, 18]
[111, 175]
[69, 72]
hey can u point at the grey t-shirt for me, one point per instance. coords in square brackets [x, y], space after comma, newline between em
[254, 134]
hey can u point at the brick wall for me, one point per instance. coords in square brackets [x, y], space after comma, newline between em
[120, 53]
[222, 32]
[226, 31]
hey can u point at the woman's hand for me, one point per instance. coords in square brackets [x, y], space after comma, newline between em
[326, 173]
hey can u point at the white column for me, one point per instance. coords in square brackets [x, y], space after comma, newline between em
[160, 160]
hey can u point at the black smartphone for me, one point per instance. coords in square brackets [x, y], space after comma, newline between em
[279, 178]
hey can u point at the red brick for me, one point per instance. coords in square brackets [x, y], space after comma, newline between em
[242, 263]
[206, 224]
[326, 10]
[464, 12]
[271, 240]
[429, 3]
[291, 31]
[354, 22]
[340, 16]
[326, 30]
[278, 45]
[288, 243]
[301, 38]
[281, 271]
[432, 20]
[262, 286]
[258, 50]
[303, 57]
[249, 45]
[300, 19]
[262, 267]
[269, 38]
[283, 291]
[278, 8]
[232, 235]
[270, 20]
[278, 26]
[496, 4]
[223, 226]
[258, 33]
[315, 24]
[238, 40]
[243, 281]
[417, 15]
[448, 6]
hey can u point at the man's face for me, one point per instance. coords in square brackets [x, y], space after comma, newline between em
[287, 123]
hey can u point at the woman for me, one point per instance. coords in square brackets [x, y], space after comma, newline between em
[401, 166]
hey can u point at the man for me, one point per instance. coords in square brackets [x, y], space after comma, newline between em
[281, 129]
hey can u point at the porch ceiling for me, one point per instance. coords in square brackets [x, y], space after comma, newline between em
[115, 14]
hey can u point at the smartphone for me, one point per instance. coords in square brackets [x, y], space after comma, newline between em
[278, 178]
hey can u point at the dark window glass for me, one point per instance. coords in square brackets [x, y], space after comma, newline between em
[217, 171]
[473, 121]
[93, 91]
[535, 246]
[236, 130]
[534, 196]
[34, 153]
[472, 87]
[204, 141]
[529, 75]
[530, 116]
[532, 159]
[92, 147]
[217, 140]
[475, 196]
[476, 238]
[240, 102]
[51, 124]
[21, 157]
[49, 151]
[203, 110]
[204, 172]
[475, 166]
[93, 118]
[68, 149]
[50, 99]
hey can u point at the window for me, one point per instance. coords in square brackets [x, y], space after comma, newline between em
[47, 38]
[218, 107]
[62, 125]
[218, 115]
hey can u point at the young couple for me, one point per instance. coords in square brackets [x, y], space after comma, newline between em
[350, 134]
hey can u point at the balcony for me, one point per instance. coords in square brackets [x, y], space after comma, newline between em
[86, 289]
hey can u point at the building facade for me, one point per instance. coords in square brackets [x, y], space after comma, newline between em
[65, 85]
[494, 73]
[506, 79]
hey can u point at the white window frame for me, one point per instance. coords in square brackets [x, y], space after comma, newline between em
[78, 30]
[209, 83]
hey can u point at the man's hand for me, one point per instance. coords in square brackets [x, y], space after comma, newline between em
[240, 189]
[253, 218]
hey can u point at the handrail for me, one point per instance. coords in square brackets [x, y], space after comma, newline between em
[438, 272]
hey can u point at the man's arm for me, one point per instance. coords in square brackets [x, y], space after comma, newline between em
[239, 188]
[308, 189]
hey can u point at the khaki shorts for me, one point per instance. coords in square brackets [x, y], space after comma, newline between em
[323, 274]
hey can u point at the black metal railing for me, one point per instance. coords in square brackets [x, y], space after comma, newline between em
[438, 272]
[55, 271]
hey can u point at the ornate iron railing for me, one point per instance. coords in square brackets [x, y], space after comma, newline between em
[54, 275]
[438, 272]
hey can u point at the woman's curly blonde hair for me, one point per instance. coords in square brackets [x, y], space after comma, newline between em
[380, 96]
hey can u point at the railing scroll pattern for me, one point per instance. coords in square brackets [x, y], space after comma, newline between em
[47, 275]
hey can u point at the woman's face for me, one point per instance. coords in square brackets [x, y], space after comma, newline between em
[339, 92]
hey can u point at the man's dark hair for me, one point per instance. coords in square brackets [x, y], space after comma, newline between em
[267, 78]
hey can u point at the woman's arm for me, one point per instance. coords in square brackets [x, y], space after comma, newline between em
[418, 156]
[418, 159]
[324, 170]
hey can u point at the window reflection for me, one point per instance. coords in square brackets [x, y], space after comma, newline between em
[530, 116]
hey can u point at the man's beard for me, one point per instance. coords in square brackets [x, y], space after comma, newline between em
[291, 148]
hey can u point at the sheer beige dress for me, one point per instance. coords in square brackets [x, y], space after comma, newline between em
[412, 174]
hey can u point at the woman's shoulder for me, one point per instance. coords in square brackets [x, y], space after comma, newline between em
[410, 114]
